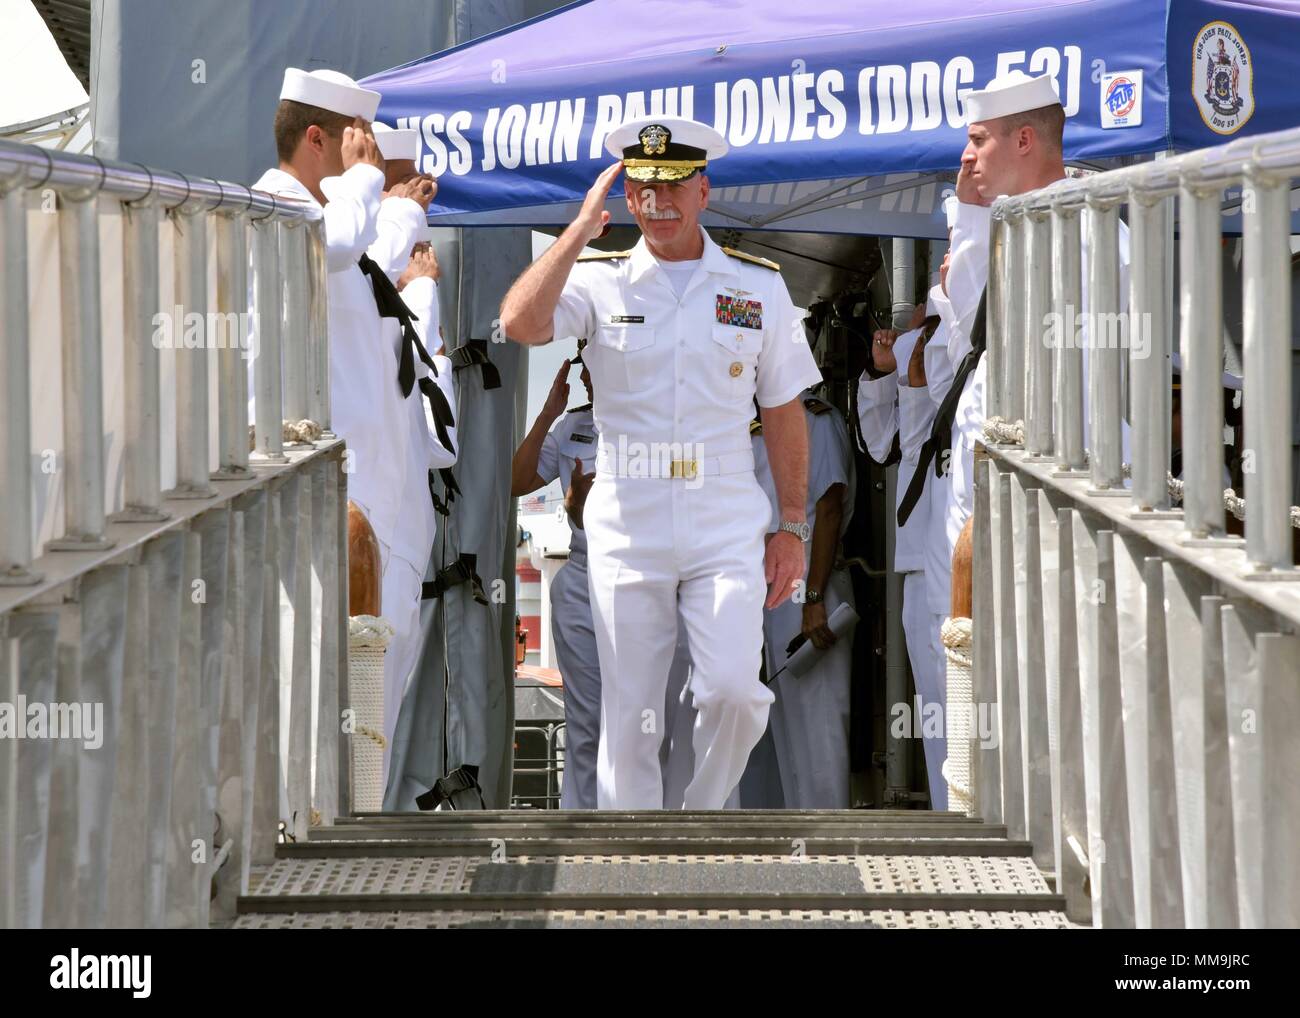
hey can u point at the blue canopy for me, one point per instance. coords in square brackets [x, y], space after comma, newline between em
[842, 117]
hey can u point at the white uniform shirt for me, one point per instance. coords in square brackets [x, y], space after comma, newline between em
[571, 438]
[684, 370]
[363, 365]
[887, 407]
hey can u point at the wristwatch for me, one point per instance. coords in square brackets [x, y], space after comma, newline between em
[811, 596]
[800, 530]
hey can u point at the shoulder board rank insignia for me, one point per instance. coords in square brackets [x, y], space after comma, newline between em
[752, 258]
[815, 405]
[596, 256]
[579, 409]
[755, 427]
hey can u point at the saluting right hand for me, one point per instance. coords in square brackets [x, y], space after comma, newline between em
[558, 398]
[592, 216]
[359, 146]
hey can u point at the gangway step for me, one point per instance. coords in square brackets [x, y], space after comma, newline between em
[904, 869]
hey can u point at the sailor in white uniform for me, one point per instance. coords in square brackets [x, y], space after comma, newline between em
[893, 402]
[328, 158]
[682, 336]
[419, 421]
[809, 721]
[1014, 145]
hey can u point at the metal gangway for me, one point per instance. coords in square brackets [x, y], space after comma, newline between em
[1142, 664]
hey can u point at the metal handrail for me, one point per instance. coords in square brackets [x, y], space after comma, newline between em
[30, 166]
[1263, 166]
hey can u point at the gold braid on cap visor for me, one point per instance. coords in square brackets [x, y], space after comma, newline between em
[669, 169]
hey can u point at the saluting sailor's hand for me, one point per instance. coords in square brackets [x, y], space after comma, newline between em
[420, 189]
[423, 263]
[782, 566]
[558, 398]
[592, 216]
[968, 192]
[882, 350]
[359, 146]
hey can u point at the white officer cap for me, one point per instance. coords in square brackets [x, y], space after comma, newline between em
[1012, 92]
[396, 143]
[664, 148]
[329, 90]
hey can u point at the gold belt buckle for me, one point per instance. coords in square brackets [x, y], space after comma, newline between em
[686, 469]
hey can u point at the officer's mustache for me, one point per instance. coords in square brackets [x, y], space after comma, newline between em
[662, 214]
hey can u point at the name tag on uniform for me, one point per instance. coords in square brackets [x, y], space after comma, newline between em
[747, 314]
[585, 439]
[627, 319]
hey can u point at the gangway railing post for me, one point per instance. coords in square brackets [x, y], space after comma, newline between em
[189, 226]
[83, 375]
[269, 423]
[140, 384]
[15, 371]
[1105, 342]
[231, 229]
[318, 348]
[1038, 303]
[1149, 300]
[1067, 296]
[296, 330]
[1266, 272]
[995, 309]
[1201, 346]
[1012, 349]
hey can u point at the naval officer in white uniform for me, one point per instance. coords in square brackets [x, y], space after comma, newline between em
[681, 338]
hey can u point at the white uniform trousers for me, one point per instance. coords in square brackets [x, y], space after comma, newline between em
[579, 663]
[810, 718]
[659, 548]
[930, 673]
[402, 586]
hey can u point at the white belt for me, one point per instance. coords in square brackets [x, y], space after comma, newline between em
[610, 461]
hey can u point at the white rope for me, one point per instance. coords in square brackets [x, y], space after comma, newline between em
[305, 431]
[1003, 432]
[369, 631]
[302, 431]
[956, 635]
